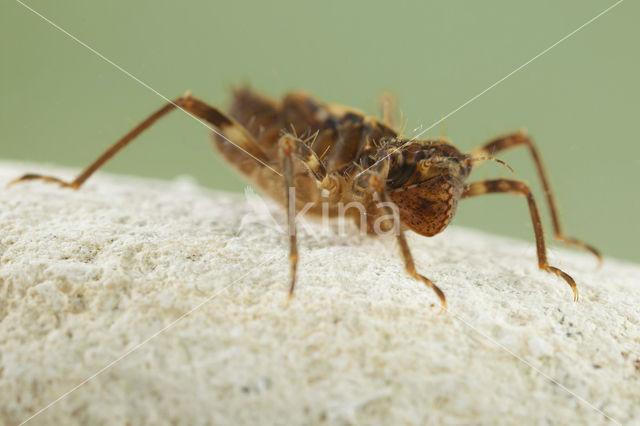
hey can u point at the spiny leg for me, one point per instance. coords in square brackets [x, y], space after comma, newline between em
[291, 148]
[373, 180]
[411, 268]
[231, 131]
[520, 188]
[521, 139]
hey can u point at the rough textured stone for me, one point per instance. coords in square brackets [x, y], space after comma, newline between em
[171, 301]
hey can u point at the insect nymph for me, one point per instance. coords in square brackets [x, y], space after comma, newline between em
[333, 154]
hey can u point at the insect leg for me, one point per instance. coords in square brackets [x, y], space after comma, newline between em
[291, 148]
[411, 268]
[227, 127]
[372, 181]
[521, 139]
[520, 188]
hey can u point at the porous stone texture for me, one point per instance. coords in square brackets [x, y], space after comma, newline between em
[167, 302]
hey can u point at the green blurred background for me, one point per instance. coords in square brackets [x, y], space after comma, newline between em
[62, 104]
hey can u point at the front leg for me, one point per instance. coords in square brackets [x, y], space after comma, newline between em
[410, 267]
[372, 181]
[521, 139]
[520, 188]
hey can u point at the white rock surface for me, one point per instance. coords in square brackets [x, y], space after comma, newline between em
[176, 296]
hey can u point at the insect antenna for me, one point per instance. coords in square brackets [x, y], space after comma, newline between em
[474, 159]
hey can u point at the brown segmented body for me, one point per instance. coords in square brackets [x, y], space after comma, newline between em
[347, 143]
[334, 155]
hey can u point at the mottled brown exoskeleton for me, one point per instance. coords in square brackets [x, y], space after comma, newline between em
[333, 154]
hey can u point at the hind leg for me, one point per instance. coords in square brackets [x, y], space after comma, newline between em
[226, 128]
